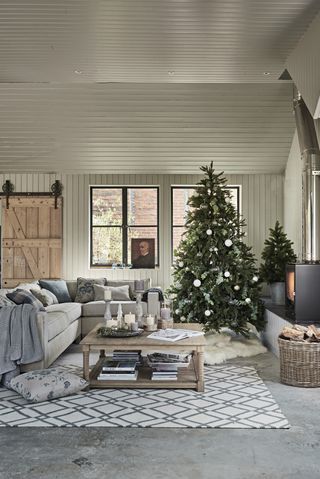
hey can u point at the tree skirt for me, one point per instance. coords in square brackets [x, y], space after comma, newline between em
[235, 397]
[227, 345]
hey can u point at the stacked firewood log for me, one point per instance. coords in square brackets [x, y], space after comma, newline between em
[297, 332]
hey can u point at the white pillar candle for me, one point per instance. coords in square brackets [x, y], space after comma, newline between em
[150, 320]
[165, 313]
[107, 295]
[129, 318]
[111, 323]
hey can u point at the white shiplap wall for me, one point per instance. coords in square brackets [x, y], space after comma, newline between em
[293, 193]
[293, 197]
[262, 204]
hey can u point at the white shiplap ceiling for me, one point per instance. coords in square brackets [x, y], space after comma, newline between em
[153, 92]
[142, 40]
[145, 128]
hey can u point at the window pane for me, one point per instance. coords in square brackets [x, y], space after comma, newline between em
[142, 206]
[106, 206]
[142, 232]
[106, 245]
[177, 232]
[180, 198]
[234, 197]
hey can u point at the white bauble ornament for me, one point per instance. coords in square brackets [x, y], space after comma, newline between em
[197, 283]
[209, 191]
[228, 243]
[226, 274]
[255, 279]
[207, 312]
[215, 250]
[228, 200]
[177, 311]
[210, 249]
[181, 264]
[211, 262]
[236, 287]
[248, 300]
[182, 318]
[209, 232]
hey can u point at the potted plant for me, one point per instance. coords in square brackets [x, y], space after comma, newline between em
[277, 253]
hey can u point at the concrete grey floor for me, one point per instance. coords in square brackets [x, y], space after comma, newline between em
[52, 453]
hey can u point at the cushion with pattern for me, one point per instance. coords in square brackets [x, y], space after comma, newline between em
[45, 384]
[22, 296]
[85, 289]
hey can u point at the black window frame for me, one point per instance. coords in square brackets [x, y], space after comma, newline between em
[124, 226]
[184, 187]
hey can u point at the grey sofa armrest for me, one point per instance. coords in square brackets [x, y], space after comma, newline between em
[153, 304]
[42, 327]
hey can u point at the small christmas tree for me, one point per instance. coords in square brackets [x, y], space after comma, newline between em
[215, 277]
[277, 253]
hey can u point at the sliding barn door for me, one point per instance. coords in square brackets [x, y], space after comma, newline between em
[31, 239]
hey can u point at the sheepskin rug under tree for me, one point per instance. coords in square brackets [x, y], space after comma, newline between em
[216, 281]
[228, 345]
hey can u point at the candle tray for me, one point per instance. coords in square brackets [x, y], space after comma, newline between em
[117, 332]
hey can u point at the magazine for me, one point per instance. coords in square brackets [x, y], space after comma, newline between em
[173, 335]
[168, 359]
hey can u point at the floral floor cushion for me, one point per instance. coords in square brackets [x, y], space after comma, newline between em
[45, 384]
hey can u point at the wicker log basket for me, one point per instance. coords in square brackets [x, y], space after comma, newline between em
[299, 363]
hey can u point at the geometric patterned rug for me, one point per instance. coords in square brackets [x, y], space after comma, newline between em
[235, 397]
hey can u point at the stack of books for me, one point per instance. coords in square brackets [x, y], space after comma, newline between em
[164, 374]
[119, 370]
[165, 366]
[121, 355]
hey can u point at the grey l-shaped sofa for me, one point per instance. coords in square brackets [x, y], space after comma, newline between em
[62, 324]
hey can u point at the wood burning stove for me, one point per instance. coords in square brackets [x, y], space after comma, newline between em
[303, 279]
[303, 292]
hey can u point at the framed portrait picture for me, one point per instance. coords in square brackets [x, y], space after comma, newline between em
[143, 252]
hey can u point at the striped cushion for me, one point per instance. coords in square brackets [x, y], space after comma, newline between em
[22, 296]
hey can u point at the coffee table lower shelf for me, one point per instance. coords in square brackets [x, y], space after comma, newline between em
[187, 379]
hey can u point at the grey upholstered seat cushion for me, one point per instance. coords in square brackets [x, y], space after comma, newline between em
[59, 316]
[97, 308]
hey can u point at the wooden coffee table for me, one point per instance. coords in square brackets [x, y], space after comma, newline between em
[191, 377]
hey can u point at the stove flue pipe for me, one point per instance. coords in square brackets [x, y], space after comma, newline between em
[310, 155]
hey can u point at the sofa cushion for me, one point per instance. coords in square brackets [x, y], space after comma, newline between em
[85, 290]
[45, 296]
[59, 316]
[23, 296]
[58, 287]
[129, 282]
[29, 286]
[45, 384]
[97, 308]
[118, 293]
[72, 288]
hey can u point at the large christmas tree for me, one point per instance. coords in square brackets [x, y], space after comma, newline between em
[215, 278]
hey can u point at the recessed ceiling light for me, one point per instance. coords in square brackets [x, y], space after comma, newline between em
[171, 72]
[266, 73]
[77, 72]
